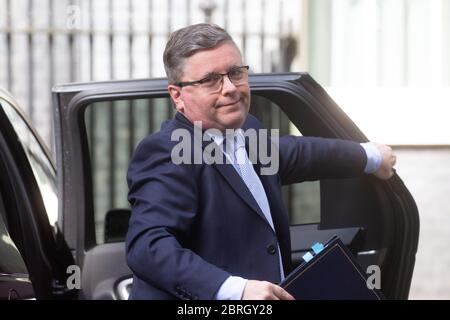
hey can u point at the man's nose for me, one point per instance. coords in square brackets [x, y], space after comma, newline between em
[227, 86]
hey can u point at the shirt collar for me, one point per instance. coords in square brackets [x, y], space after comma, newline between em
[219, 137]
[216, 136]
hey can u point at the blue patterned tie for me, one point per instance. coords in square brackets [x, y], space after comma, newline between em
[245, 169]
[248, 174]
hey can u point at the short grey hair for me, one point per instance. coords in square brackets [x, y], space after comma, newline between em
[186, 41]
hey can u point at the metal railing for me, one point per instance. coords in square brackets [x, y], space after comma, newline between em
[48, 42]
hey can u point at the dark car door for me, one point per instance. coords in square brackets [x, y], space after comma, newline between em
[33, 254]
[99, 124]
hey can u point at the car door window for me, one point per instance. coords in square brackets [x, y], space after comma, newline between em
[42, 168]
[114, 128]
[14, 281]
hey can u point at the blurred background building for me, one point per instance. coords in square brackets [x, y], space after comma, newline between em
[386, 63]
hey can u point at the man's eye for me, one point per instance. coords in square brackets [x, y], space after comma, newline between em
[211, 80]
[237, 73]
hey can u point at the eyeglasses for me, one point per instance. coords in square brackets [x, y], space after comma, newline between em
[214, 81]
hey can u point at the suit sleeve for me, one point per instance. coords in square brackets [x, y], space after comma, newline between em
[311, 158]
[163, 197]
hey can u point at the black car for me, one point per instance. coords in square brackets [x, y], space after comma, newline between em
[62, 231]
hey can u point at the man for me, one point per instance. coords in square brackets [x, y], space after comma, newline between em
[220, 231]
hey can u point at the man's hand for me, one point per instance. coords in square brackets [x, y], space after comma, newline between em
[388, 160]
[263, 290]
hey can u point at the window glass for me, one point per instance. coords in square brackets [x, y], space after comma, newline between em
[14, 277]
[11, 262]
[114, 128]
[43, 170]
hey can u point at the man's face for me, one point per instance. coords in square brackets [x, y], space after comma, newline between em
[225, 108]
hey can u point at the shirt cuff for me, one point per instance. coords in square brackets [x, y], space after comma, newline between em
[373, 157]
[231, 289]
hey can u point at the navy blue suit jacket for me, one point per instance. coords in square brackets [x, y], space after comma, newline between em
[194, 225]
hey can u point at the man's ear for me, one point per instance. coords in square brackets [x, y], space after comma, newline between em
[175, 94]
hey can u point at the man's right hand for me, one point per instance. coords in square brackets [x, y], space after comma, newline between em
[388, 160]
[263, 290]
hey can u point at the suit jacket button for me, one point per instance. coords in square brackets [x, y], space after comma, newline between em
[271, 249]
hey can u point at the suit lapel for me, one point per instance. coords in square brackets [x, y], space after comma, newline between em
[278, 212]
[280, 219]
[235, 181]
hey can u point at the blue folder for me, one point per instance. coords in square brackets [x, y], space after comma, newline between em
[330, 272]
